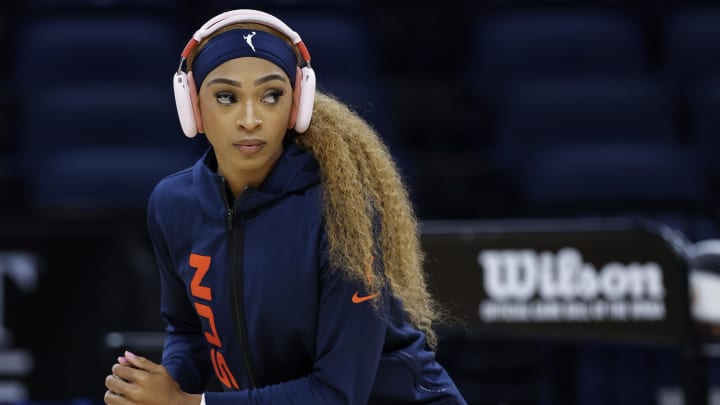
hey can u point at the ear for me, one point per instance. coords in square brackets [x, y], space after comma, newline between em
[296, 99]
[195, 101]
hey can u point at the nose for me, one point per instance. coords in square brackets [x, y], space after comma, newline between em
[249, 119]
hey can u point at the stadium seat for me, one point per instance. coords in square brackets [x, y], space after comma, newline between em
[704, 125]
[691, 43]
[692, 64]
[598, 147]
[616, 176]
[110, 49]
[102, 148]
[102, 128]
[284, 4]
[4, 88]
[41, 6]
[512, 45]
[534, 116]
[8, 137]
[520, 44]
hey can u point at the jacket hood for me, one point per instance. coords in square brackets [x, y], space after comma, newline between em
[295, 171]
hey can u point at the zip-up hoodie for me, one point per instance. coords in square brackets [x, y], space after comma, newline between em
[247, 293]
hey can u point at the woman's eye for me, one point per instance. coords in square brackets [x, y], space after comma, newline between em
[272, 96]
[225, 97]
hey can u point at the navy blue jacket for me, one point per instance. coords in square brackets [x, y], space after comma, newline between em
[247, 294]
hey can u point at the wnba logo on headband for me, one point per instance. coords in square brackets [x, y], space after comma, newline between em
[227, 45]
[248, 39]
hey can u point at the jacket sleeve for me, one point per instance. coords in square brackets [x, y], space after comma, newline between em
[185, 353]
[349, 343]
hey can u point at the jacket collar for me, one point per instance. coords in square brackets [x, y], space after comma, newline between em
[295, 170]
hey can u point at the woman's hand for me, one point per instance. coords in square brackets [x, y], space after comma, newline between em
[137, 380]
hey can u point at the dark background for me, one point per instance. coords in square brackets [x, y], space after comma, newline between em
[494, 109]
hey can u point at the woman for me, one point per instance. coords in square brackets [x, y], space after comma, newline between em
[290, 264]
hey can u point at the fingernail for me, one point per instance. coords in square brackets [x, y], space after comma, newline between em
[129, 354]
[122, 360]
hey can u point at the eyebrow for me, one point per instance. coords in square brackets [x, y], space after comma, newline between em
[257, 82]
[225, 81]
[270, 77]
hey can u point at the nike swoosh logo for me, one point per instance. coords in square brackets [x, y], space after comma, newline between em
[357, 299]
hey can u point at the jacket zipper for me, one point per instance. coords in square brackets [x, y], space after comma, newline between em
[235, 242]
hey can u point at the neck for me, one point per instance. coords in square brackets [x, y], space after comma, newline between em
[239, 179]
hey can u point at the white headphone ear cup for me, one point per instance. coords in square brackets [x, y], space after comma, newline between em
[195, 102]
[306, 101]
[184, 104]
[295, 98]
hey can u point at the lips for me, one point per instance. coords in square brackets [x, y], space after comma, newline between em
[249, 146]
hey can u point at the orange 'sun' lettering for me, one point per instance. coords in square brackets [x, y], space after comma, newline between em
[206, 312]
[201, 264]
[221, 369]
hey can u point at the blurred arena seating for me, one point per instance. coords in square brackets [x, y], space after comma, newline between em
[494, 109]
[108, 130]
[6, 149]
[691, 38]
[63, 6]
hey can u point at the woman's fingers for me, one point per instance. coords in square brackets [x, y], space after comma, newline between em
[113, 398]
[128, 373]
[118, 386]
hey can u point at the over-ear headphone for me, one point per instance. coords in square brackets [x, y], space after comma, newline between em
[186, 91]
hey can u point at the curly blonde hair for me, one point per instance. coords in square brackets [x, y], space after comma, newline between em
[367, 208]
[361, 184]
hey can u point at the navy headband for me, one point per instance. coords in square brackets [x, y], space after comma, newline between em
[240, 43]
